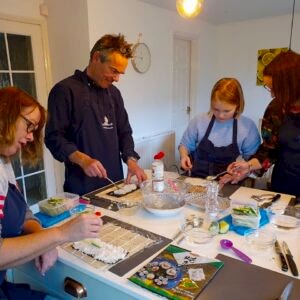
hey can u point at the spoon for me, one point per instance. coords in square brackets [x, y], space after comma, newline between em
[227, 244]
[210, 178]
[112, 182]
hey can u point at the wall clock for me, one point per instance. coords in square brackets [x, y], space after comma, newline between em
[141, 59]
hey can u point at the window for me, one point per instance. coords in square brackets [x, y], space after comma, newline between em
[22, 65]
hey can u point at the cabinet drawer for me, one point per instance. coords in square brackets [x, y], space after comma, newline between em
[53, 282]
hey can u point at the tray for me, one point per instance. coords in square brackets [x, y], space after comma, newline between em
[140, 244]
[105, 198]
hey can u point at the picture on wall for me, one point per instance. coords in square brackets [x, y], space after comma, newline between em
[264, 57]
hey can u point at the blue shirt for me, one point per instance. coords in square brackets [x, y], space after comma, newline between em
[248, 137]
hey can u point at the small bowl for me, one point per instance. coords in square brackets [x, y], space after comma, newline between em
[196, 231]
[261, 239]
[128, 208]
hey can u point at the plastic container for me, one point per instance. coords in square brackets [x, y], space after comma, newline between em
[261, 239]
[195, 230]
[158, 173]
[212, 205]
[128, 207]
[245, 213]
[58, 204]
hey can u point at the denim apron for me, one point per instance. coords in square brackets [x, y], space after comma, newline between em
[12, 226]
[210, 160]
[286, 172]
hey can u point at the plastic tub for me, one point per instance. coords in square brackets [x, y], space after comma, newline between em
[58, 204]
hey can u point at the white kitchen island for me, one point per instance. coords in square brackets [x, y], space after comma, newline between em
[101, 284]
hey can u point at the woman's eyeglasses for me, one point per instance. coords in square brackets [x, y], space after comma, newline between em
[30, 125]
[267, 88]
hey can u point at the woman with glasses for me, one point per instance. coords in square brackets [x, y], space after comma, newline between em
[22, 238]
[215, 139]
[280, 128]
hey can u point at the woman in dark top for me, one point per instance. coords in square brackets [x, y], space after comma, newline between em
[280, 128]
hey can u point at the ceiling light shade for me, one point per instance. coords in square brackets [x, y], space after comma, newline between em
[189, 8]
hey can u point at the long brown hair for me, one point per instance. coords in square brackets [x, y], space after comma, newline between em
[285, 72]
[12, 102]
[229, 90]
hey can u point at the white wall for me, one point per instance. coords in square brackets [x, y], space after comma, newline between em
[68, 36]
[148, 97]
[238, 44]
[20, 8]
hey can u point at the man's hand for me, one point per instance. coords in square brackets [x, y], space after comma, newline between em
[94, 168]
[134, 169]
[90, 166]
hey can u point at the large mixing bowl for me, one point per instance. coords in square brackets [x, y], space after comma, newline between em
[169, 202]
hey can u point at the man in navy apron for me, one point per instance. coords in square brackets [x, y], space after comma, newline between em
[88, 127]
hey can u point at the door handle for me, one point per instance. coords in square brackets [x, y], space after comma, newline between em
[74, 288]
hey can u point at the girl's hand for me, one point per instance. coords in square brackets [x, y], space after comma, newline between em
[185, 163]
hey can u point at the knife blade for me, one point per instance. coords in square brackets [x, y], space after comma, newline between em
[286, 291]
[290, 259]
[267, 204]
[284, 265]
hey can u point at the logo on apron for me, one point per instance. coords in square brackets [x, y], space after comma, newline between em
[106, 124]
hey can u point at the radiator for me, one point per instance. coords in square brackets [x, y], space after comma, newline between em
[147, 147]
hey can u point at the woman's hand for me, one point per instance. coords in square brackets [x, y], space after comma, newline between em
[238, 170]
[45, 261]
[86, 225]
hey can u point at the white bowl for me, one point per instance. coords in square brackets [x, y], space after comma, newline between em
[166, 203]
[163, 204]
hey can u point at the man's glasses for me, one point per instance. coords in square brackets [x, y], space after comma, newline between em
[30, 125]
[267, 88]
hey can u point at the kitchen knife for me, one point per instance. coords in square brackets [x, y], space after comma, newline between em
[290, 259]
[287, 291]
[284, 266]
[275, 198]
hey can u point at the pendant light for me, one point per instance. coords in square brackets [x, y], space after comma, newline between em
[189, 8]
[292, 25]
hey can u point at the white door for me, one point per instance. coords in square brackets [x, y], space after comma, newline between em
[181, 89]
[22, 64]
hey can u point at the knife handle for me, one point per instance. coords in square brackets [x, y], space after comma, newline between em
[292, 264]
[284, 266]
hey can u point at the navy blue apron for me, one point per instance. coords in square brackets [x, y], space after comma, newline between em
[286, 172]
[210, 160]
[12, 226]
[76, 181]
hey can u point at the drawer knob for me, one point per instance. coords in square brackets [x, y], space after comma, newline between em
[74, 288]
